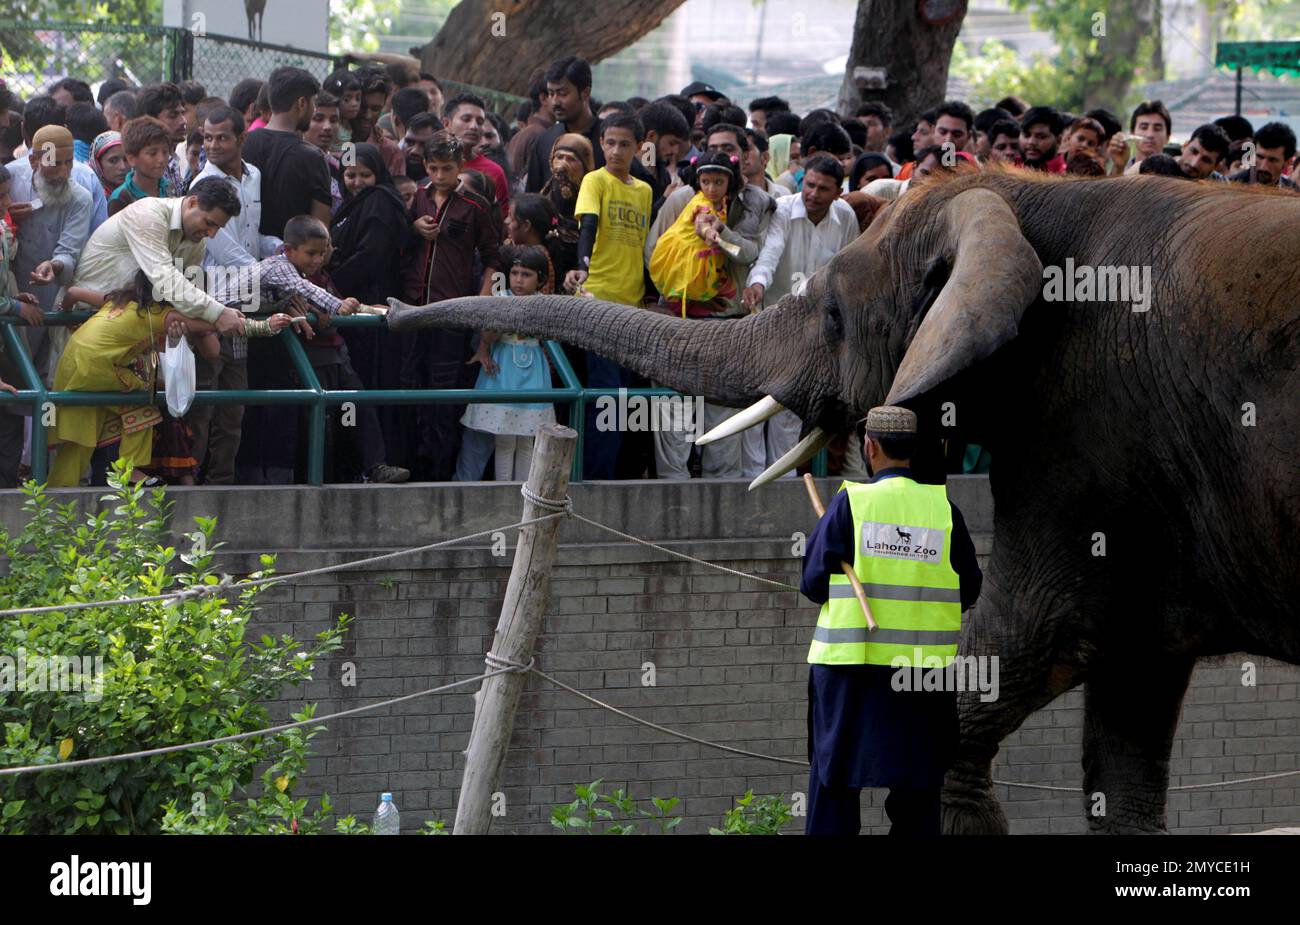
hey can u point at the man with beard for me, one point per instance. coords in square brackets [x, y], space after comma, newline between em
[53, 216]
[40, 112]
[1040, 134]
[1274, 147]
[1204, 150]
[571, 159]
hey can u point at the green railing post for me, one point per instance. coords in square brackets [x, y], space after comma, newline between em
[16, 344]
[316, 420]
[577, 407]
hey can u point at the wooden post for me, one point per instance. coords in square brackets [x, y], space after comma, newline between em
[517, 628]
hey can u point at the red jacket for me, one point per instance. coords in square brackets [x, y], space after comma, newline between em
[444, 268]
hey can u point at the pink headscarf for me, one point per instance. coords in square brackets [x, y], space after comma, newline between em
[103, 141]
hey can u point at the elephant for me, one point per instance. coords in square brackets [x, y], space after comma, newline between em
[1146, 472]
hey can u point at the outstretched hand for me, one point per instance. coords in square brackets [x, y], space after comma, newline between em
[489, 365]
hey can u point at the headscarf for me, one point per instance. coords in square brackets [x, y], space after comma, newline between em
[367, 155]
[103, 141]
[381, 202]
[778, 155]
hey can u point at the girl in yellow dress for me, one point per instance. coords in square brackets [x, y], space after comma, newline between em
[115, 351]
[689, 264]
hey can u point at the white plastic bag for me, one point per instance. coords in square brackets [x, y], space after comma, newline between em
[177, 367]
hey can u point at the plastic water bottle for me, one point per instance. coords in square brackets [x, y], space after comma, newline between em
[387, 819]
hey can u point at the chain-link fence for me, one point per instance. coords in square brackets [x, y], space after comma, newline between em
[219, 61]
[35, 55]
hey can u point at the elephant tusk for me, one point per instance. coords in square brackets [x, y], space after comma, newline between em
[766, 407]
[802, 451]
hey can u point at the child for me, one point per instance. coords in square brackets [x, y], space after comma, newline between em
[613, 211]
[193, 147]
[307, 246]
[455, 228]
[346, 88]
[1083, 136]
[689, 267]
[111, 352]
[406, 186]
[509, 361]
[284, 277]
[532, 220]
[148, 148]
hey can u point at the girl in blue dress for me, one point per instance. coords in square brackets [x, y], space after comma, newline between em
[509, 361]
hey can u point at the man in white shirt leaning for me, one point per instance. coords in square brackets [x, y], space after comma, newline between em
[806, 231]
[165, 238]
[240, 244]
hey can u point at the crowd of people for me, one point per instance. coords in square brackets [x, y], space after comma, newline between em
[177, 215]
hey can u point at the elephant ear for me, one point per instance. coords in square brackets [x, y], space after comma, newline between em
[995, 276]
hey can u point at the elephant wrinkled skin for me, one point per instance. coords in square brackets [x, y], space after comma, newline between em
[1165, 439]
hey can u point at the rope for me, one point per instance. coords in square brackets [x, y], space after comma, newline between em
[228, 584]
[565, 506]
[127, 756]
[1217, 783]
[497, 660]
[681, 555]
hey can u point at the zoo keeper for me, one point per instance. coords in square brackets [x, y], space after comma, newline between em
[912, 552]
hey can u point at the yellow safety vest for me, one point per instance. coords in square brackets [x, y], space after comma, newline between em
[902, 531]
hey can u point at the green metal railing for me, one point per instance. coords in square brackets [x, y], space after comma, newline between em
[316, 398]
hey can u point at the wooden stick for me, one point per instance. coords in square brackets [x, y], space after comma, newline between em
[517, 629]
[858, 590]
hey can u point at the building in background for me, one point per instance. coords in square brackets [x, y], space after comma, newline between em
[301, 24]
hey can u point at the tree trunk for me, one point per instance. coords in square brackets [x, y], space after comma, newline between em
[1127, 23]
[890, 34]
[499, 43]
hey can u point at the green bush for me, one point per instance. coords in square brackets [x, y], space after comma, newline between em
[762, 816]
[170, 673]
[593, 812]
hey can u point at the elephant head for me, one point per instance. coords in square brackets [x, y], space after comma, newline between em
[938, 282]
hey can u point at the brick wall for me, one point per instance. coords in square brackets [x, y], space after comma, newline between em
[728, 657]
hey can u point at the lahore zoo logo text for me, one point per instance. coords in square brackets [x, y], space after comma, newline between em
[900, 541]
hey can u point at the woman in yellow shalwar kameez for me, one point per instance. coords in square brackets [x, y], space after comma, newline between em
[689, 265]
[114, 351]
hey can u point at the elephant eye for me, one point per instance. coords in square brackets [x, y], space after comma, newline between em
[834, 321]
[936, 277]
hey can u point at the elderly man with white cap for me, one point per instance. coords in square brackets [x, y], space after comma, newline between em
[53, 216]
[909, 547]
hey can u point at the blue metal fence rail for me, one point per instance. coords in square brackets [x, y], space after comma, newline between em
[316, 398]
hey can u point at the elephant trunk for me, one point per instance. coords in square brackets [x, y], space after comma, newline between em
[722, 360]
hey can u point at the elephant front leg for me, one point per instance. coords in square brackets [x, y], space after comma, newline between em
[1130, 717]
[969, 805]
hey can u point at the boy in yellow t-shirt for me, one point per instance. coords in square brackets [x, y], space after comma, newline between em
[613, 212]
